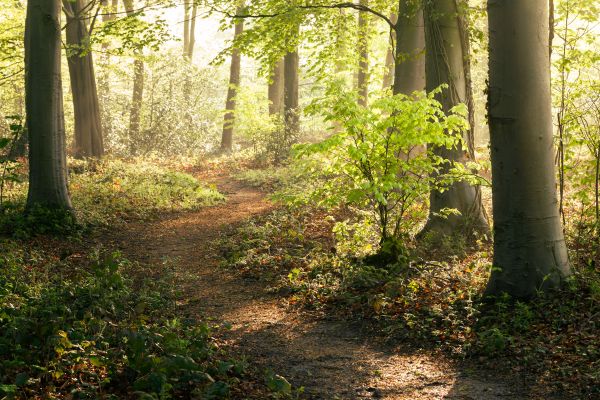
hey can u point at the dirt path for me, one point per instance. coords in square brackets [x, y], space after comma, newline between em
[330, 358]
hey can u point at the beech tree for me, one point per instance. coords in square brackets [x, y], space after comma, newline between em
[529, 246]
[137, 95]
[276, 89]
[234, 82]
[363, 56]
[409, 65]
[88, 128]
[189, 28]
[291, 95]
[447, 62]
[44, 106]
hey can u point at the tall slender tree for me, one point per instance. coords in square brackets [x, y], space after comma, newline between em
[291, 95]
[44, 106]
[363, 56]
[276, 89]
[189, 28]
[388, 72]
[445, 64]
[529, 246]
[234, 82]
[137, 95]
[88, 128]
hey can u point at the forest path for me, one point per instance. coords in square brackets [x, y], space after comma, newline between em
[331, 358]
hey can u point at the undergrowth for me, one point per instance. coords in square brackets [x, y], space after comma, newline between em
[107, 328]
[109, 191]
[323, 265]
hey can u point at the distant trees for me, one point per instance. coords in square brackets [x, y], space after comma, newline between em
[137, 94]
[234, 82]
[44, 106]
[276, 89]
[529, 246]
[291, 110]
[88, 128]
[363, 56]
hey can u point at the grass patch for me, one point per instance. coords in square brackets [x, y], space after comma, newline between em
[110, 191]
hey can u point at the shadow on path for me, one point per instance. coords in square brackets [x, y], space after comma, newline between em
[332, 359]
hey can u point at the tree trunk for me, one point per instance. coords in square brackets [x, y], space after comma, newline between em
[44, 106]
[234, 82]
[363, 56]
[192, 33]
[291, 96]
[276, 89]
[88, 129]
[445, 64]
[388, 73]
[186, 26]
[409, 71]
[138, 91]
[529, 247]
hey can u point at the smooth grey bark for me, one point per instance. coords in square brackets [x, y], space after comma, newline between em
[186, 26]
[529, 246]
[445, 64]
[137, 95]
[388, 72]
[363, 56]
[88, 128]
[409, 70]
[234, 82]
[189, 29]
[44, 106]
[276, 89]
[291, 96]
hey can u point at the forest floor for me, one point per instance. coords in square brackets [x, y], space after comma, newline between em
[331, 358]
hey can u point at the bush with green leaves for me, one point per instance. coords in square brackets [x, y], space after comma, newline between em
[106, 330]
[375, 160]
[109, 191]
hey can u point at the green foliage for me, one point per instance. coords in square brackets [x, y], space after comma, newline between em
[427, 304]
[104, 330]
[181, 113]
[576, 90]
[103, 191]
[374, 162]
[9, 168]
[109, 191]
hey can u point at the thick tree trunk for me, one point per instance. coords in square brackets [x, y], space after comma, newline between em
[363, 56]
[291, 96]
[388, 72]
[445, 64]
[234, 82]
[529, 247]
[276, 89]
[138, 92]
[88, 129]
[409, 70]
[44, 106]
